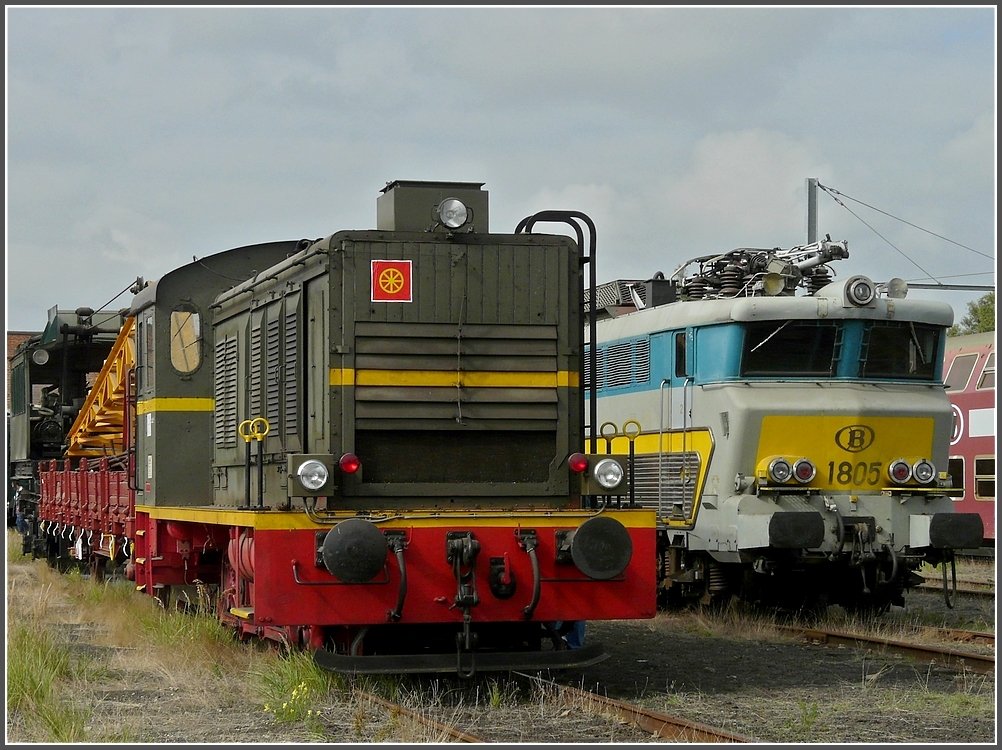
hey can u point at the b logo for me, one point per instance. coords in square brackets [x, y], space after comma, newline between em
[854, 438]
[391, 280]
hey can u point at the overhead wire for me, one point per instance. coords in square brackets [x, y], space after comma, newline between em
[834, 194]
[832, 191]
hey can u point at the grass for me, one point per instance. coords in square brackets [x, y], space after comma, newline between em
[41, 674]
[132, 646]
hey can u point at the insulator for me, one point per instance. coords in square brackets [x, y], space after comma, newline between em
[730, 280]
[696, 287]
[820, 278]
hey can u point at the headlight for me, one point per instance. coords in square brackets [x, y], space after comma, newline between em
[899, 471]
[923, 471]
[780, 470]
[608, 473]
[312, 475]
[452, 213]
[860, 291]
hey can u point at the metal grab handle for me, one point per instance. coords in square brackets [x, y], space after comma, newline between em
[254, 429]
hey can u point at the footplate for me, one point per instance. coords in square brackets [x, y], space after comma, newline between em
[487, 661]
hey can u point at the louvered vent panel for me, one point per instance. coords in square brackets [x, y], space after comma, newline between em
[291, 381]
[619, 363]
[254, 395]
[600, 366]
[642, 361]
[273, 371]
[512, 355]
[225, 393]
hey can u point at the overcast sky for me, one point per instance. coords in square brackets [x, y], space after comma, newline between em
[138, 138]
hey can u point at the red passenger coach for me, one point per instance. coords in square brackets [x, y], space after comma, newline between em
[969, 372]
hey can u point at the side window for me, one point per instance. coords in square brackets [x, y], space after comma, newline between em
[185, 340]
[987, 379]
[140, 354]
[984, 477]
[144, 353]
[960, 371]
[681, 365]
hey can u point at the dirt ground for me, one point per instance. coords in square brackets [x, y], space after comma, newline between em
[776, 690]
[768, 688]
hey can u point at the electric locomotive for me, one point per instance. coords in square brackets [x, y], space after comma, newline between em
[790, 430]
[371, 445]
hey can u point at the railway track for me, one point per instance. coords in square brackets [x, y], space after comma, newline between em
[562, 714]
[660, 725]
[937, 654]
[441, 729]
[983, 591]
[966, 586]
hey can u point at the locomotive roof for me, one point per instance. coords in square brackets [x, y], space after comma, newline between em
[970, 340]
[825, 304]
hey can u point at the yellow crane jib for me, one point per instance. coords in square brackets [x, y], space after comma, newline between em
[98, 427]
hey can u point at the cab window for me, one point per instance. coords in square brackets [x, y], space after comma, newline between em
[185, 340]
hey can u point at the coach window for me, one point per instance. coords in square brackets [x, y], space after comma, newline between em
[185, 340]
[955, 469]
[987, 380]
[984, 477]
[960, 371]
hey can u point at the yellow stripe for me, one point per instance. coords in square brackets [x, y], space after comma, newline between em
[441, 379]
[175, 404]
[639, 518]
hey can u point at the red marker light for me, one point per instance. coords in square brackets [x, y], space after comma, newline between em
[804, 471]
[577, 462]
[349, 463]
[899, 471]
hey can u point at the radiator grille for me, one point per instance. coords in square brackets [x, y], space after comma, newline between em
[676, 476]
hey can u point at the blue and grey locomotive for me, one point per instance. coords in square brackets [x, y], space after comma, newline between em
[790, 430]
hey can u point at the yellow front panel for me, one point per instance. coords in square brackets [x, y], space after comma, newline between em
[849, 452]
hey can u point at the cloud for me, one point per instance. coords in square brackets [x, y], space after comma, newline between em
[138, 137]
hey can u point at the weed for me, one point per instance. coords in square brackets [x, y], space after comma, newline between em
[808, 715]
[292, 688]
